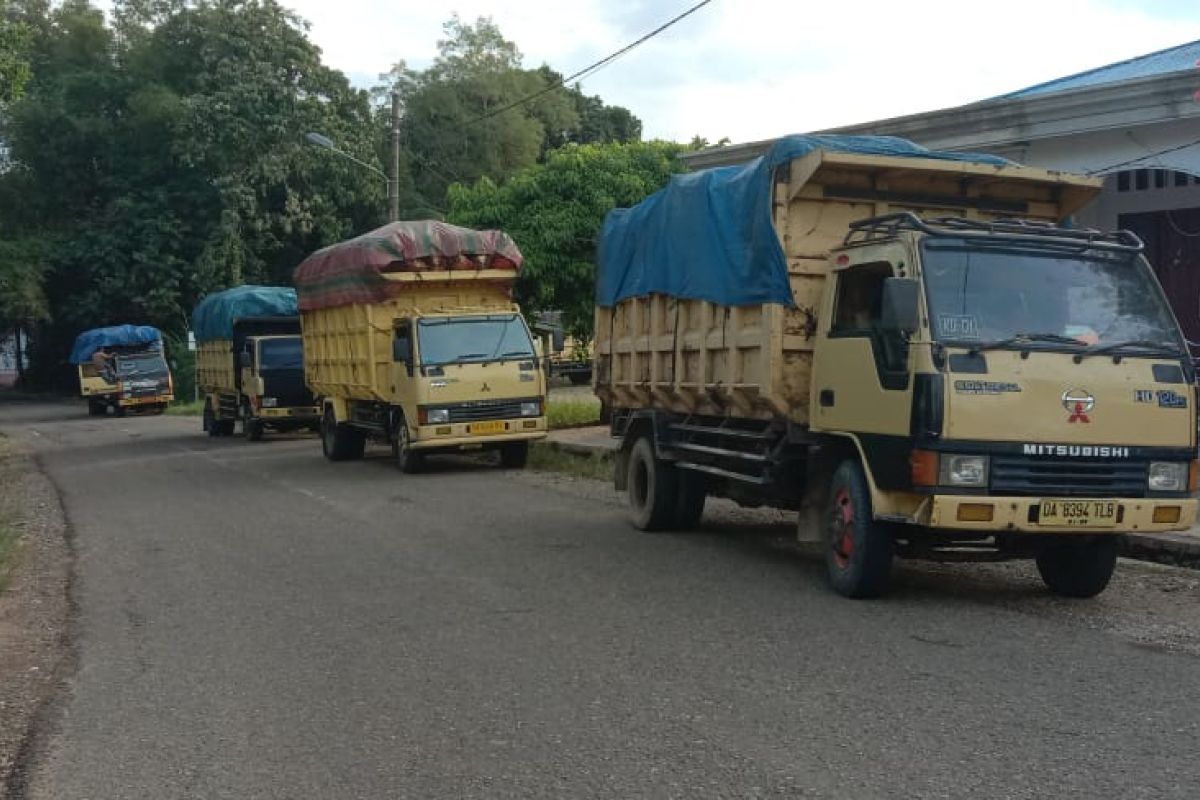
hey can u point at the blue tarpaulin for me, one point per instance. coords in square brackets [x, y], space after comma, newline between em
[213, 318]
[88, 342]
[709, 236]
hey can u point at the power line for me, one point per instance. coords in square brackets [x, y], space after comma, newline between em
[591, 68]
[1144, 158]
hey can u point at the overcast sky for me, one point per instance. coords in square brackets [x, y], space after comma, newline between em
[751, 69]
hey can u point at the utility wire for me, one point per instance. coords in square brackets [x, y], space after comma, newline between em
[592, 67]
[1143, 158]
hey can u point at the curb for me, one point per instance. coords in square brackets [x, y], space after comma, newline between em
[1175, 550]
[578, 449]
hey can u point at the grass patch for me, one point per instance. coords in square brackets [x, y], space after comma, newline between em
[193, 409]
[573, 413]
[546, 458]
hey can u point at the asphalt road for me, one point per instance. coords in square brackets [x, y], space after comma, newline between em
[256, 622]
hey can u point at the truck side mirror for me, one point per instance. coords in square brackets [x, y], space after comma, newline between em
[899, 312]
[244, 359]
[401, 350]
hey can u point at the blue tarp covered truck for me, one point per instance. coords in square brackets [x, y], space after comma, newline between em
[250, 362]
[122, 368]
[913, 349]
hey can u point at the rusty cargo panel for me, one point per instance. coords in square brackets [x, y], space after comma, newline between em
[698, 357]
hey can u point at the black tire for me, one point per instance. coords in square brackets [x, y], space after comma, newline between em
[514, 455]
[580, 378]
[253, 430]
[225, 427]
[210, 422]
[406, 459]
[339, 442]
[1078, 569]
[97, 408]
[119, 410]
[689, 502]
[859, 550]
[653, 487]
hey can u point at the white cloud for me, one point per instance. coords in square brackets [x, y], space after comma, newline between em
[751, 69]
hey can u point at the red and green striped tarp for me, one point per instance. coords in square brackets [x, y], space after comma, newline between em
[353, 271]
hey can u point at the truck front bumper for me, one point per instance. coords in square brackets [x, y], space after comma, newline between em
[481, 434]
[290, 413]
[154, 399]
[969, 512]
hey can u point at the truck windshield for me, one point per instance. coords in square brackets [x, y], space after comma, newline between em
[142, 365]
[1021, 297]
[452, 340]
[281, 354]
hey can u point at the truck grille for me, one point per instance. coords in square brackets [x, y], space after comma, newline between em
[1025, 476]
[486, 409]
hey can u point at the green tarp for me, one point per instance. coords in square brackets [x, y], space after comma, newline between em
[213, 318]
[353, 271]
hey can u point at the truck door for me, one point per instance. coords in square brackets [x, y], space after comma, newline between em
[404, 369]
[862, 381]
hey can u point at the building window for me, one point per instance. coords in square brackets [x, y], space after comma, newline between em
[1141, 180]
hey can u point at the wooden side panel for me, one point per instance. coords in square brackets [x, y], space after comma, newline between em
[214, 365]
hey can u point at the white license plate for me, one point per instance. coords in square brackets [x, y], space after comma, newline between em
[1078, 513]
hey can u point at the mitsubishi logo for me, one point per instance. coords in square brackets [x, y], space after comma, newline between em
[485, 387]
[1078, 403]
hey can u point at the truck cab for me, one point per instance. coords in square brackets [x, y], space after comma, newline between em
[1006, 385]
[271, 377]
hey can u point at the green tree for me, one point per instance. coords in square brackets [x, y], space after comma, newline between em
[555, 210]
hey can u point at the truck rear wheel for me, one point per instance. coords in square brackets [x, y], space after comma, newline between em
[1078, 569]
[407, 460]
[514, 455]
[653, 488]
[859, 550]
[340, 442]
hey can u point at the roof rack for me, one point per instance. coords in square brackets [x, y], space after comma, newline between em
[1008, 230]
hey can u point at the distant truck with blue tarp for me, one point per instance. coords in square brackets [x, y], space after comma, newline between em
[123, 368]
[250, 362]
[909, 347]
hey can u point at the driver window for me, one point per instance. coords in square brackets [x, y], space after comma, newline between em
[859, 300]
[402, 345]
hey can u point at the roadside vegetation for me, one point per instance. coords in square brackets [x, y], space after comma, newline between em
[544, 457]
[9, 540]
[573, 413]
[191, 408]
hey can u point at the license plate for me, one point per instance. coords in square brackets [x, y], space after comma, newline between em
[1078, 513]
[485, 428]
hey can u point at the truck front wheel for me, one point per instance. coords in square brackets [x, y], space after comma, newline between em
[407, 460]
[1078, 569]
[340, 442]
[859, 549]
[653, 488]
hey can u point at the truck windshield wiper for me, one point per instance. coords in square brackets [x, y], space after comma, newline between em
[1145, 346]
[1026, 338]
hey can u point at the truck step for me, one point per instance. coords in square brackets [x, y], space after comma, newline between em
[731, 432]
[717, 451]
[757, 480]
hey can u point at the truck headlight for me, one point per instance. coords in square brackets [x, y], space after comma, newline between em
[531, 409]
[270, 402]
[969, 471]
[437, 416]
[1168, 476]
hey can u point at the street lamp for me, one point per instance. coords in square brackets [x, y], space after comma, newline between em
[393, 180]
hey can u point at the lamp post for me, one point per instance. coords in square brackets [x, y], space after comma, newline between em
[392, 180]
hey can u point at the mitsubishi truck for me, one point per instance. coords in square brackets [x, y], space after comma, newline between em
[250, 362]
[122, 368]
[412, 339]
[916, 350]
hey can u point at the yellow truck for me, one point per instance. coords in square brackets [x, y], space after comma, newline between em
[250, 362]
[411, 338]
[122, 367]
[909, 347]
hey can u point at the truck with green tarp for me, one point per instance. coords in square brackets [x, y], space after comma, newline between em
[250, 362]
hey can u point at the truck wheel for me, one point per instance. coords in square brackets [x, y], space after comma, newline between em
[1078, 569]
[210, 422]
[118, 410]
[340, 442]
[514, 455]
[253, 430]
[225, 427]
[689, 501]
[96, 409]
[407, 460]
[653, 488]
[859, 550]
